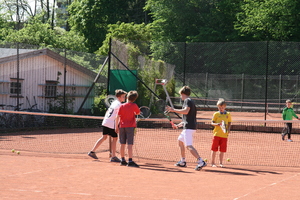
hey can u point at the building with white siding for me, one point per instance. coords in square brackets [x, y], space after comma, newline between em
[42, 75]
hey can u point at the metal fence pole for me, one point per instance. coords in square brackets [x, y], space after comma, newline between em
[109, 67]
[242, 90]
[279, 91]
[184, 63]
[266, 83]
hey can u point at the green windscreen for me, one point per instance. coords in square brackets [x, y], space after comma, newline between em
[122, 79]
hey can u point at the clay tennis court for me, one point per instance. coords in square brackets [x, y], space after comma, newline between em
[43, 171]
[28, 176]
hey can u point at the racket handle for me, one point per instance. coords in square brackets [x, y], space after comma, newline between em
[173, 125]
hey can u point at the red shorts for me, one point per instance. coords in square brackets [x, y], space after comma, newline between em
[219, 144]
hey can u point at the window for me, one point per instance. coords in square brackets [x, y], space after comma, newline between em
[15, 88]
[51, 88]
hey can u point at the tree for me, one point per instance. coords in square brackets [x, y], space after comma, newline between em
[194, 21]
[37, 33]
[270, 20]
[90, 18]
[126, 32]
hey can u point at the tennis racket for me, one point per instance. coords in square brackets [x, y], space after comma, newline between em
[109, 99]
[145, 113]
[223, 126]
[166, 113]
[160, 105]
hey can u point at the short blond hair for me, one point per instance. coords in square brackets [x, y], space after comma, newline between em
[119, 92]
[221, 102]
[288, 101]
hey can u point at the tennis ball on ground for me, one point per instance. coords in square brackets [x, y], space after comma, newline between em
[18, 152]
[13, 150]
[228, 159]
[205, 159]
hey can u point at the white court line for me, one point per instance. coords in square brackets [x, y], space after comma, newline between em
[262, 188]
[39, 191]
[122, 196]
[31, 172]
[86, 194]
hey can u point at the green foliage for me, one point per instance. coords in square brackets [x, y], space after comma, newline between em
[6, 26]
[58, 106]
[269, 20]
[99, 108]
[193, 21]
[38, 33]
[90, 18]
[148, 73]
[128, 33]
[135, 38]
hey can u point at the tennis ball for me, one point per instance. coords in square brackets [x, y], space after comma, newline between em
[228, 159]
[13, 150]
[18, 152]
[205, 159]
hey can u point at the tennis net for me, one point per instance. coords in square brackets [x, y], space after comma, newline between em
[251, 142]
[248, 105]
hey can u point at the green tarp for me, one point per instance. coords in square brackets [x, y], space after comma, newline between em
[122, 79]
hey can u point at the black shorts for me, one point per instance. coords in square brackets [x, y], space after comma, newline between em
[109, 131]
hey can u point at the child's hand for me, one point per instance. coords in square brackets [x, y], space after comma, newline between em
[174, 126]
[169, 108]
[216, 124]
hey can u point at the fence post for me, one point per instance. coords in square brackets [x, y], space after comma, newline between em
[297, 88]
[65, 79]
[266, 84]
[242, 90]
[206, 87]
[280, 91]
[109, 67]
[184, 63]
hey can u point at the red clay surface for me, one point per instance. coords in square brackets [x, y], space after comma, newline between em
[32, 176]
[48, 176]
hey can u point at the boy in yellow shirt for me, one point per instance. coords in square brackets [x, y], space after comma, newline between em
[219, 141]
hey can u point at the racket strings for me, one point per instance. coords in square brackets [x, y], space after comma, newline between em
[145, 112]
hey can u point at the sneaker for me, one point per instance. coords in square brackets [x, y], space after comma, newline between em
[115, 159]
[93, 155]
[123, 163]
[213, 165]
[200, 166]
[282, 136]
[221, 165]
[132, 164]
[180, 164]
[289, 140]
